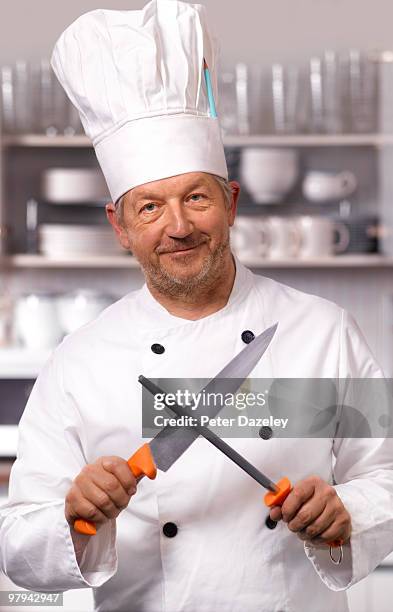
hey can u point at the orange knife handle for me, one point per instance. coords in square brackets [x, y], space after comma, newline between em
[85, 527]
[277, 499]
[141, 464]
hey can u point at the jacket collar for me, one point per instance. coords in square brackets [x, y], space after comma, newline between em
[158, 317]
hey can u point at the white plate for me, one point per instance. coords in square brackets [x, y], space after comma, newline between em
[74, 230]
[64, 241]
[70, 251]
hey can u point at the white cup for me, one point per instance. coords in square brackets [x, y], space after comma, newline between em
[268, 174]
[80, 307]
[318, 237]
[36, 322]
[249, 237]
[322, 186]
[284, 238]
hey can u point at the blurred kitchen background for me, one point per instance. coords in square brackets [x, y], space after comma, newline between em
[306, 109]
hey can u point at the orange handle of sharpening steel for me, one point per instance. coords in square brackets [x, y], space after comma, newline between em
[141, 464]
[277, 499]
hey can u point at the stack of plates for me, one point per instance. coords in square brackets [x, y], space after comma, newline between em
[75, 240]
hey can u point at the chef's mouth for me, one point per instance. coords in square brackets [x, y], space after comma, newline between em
[181, 249]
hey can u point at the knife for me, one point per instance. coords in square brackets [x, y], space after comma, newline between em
[277, 492]
[171, 442]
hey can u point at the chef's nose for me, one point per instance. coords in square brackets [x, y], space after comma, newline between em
[178, 223]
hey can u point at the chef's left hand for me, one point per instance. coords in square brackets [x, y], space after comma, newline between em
[314, 511]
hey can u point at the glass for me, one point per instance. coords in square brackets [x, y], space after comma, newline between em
[52, 102]
[326, 95]
[285, 92]
[362, 94]
[227, 105]
[384, 66]
[233, 102]
[242, 98]
[316, 124]
[22, 98]
[332, 93]
[7, 99]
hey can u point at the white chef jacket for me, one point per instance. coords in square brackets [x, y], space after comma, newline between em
[86, 403]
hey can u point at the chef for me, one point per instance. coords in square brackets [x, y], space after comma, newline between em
[197, 537]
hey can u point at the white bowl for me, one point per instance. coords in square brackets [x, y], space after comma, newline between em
[73, 185]
[269, 174]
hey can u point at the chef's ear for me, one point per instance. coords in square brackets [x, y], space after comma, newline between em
[235, 187]
[114, 214]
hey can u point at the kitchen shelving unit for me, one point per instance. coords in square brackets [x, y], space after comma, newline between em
[39, 141]
[359, 282]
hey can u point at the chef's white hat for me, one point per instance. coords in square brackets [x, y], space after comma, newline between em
[138, 81]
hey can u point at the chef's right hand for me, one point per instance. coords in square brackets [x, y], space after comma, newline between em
[100, 491]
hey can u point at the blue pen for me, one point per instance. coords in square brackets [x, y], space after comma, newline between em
[209, 88]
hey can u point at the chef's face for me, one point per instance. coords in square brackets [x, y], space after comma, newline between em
[178, 229]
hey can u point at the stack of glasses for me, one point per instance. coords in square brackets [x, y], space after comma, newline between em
[34, 102]
[333, 94]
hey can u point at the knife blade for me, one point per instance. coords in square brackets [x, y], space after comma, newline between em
[171, 442]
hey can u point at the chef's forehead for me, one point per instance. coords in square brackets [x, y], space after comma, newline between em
[167, 186]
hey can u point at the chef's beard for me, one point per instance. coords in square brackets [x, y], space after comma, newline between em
[191, 287]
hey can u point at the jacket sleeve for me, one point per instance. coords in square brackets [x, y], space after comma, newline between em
[363, 471]
[36, 546]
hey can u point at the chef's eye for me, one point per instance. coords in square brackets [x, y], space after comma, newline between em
[150, 207]
[197, 195]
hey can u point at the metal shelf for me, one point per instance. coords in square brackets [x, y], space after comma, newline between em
[127, 261]
[91, 261]
[19, 362]
[339, 261]
[292, 140]
[311, 140]
[40, 140]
